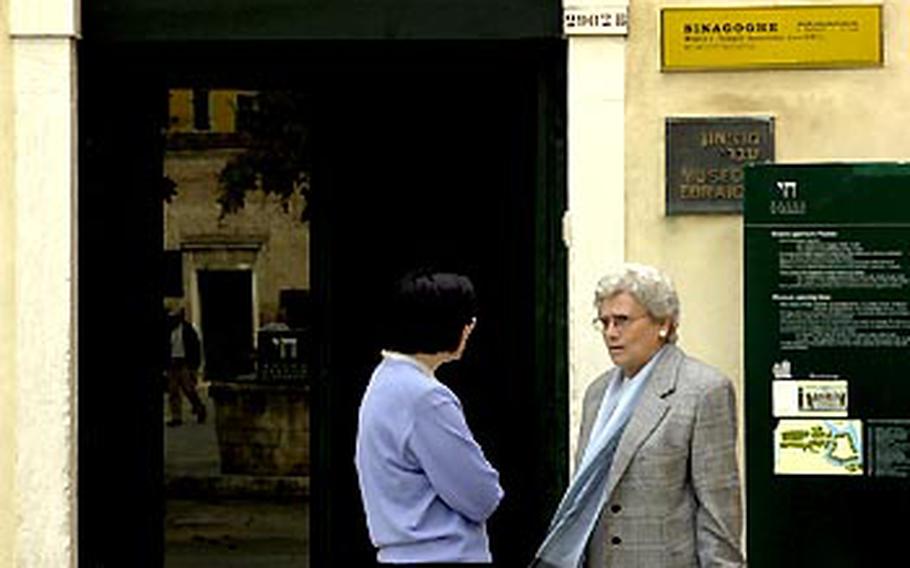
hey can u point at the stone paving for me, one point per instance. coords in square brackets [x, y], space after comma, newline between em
[219, 521]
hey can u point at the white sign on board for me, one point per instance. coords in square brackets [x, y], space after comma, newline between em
[595, 20]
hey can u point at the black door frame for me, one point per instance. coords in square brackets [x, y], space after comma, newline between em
[122, 105]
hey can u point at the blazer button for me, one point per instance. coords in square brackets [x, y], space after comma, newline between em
[615, 508]
[616, 541]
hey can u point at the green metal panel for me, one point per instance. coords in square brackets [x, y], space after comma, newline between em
[826, 300]
[178, 20]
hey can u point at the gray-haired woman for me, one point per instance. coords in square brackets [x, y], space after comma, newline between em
[656, 482]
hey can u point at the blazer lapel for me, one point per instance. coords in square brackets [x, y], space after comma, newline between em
[651, 409]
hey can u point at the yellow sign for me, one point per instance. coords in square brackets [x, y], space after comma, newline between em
[699, 39]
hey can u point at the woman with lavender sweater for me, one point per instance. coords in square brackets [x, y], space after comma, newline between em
[426, 486]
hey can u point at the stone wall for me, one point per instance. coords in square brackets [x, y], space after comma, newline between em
[278, 239]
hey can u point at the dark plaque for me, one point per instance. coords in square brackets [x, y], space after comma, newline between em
[284, 355]
[705, 159]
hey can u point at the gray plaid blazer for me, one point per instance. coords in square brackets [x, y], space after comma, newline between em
[674, 483]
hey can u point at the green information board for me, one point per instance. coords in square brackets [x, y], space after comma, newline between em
[827, 364]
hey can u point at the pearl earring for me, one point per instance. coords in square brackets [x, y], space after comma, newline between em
[662, 333]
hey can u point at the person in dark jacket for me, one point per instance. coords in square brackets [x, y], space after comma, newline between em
[184, 358]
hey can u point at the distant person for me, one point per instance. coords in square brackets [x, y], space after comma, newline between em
[279, 323]
[656, 482]
[182, 366]
[426, 486]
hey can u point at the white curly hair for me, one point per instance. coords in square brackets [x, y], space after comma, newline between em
[649, 286]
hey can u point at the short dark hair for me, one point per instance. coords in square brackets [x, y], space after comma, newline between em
[428, 312]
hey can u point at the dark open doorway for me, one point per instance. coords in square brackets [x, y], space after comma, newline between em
[432, 153]
[226, 303]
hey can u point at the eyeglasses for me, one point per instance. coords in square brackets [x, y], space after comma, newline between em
[620, 322]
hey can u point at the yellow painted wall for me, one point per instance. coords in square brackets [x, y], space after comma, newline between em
[180, 110]
[222, 107]
[820, 115]
[7, 314]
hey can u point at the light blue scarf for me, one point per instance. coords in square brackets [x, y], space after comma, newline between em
[577, 514]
